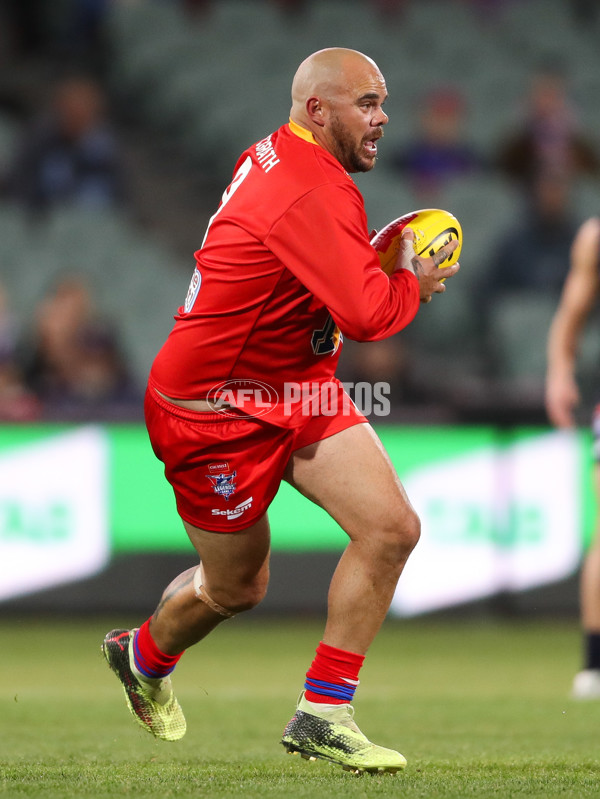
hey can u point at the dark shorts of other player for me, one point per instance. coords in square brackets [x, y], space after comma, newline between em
[226, 469]
[596, 433]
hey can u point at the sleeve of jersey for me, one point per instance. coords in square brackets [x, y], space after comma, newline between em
[323, 240]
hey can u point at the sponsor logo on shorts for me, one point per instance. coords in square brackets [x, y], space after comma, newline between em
[234, 513]
[223, 466]
[222, 479]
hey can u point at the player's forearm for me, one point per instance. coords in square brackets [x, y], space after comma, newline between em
[378, 311]
[563, 345]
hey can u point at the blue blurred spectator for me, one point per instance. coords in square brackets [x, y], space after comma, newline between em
[439, 150]
[69, 154]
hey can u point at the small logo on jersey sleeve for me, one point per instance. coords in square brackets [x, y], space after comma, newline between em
[193, 290]
[327, 339]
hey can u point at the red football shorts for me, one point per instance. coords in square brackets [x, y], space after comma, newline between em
[225, 470]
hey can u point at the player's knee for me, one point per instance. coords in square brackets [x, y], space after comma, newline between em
[400, 535]
[247, 596]
[233, 596]
[246, 601]
[411, 532]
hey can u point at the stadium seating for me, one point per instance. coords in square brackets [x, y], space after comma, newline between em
[216, 82]
[136, 281]
[157, 52]
[8, 138]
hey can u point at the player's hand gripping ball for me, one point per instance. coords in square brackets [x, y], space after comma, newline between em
[433, 228]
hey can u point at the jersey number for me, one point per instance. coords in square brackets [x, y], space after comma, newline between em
[196, 282]
[237, 181]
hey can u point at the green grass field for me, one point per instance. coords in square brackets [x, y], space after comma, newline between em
[480, 709]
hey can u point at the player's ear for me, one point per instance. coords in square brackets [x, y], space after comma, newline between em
[315, 111]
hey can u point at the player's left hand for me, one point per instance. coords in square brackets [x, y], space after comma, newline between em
[427, 270]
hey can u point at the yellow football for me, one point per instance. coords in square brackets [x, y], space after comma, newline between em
[433, 228]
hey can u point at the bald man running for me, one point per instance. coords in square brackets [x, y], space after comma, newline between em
[243, 395]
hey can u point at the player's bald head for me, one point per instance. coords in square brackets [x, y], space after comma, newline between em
[328, 74]
[338, 96]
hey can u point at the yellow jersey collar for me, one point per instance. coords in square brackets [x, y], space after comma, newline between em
[303, 133]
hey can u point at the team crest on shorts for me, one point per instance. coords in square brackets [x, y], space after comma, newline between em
[222, 479]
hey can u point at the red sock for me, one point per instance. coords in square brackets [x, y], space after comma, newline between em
[148, 657]
[333, 675]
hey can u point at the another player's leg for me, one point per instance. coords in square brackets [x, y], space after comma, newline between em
[350, 475]
[586, 684]
[232, 578]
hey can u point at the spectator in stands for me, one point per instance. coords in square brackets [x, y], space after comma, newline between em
[528, 262]
[81, 38]
[390, 10]
[196, 9]
[534, 252]
[24, 24]
[66, 32]
[70, 153]
[490, 11]
[439, 151]
[16, 402]
[292, 8]
[548, 140]
[585, 12]
[74, 362]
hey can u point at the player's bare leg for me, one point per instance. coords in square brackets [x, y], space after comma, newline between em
[232, 577]
[590, 577]
[350, 475]
[587, 682]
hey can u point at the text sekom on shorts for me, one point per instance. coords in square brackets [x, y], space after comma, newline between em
[225, 470]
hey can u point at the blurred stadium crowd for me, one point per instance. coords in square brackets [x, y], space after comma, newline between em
[120, 124]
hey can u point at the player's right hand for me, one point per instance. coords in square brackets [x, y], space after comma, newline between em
[426, 270]
[562, 397]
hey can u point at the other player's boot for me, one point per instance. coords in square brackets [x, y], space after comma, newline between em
[333, 735]
[151, 701]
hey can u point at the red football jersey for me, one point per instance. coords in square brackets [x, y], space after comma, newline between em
[285, 265]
